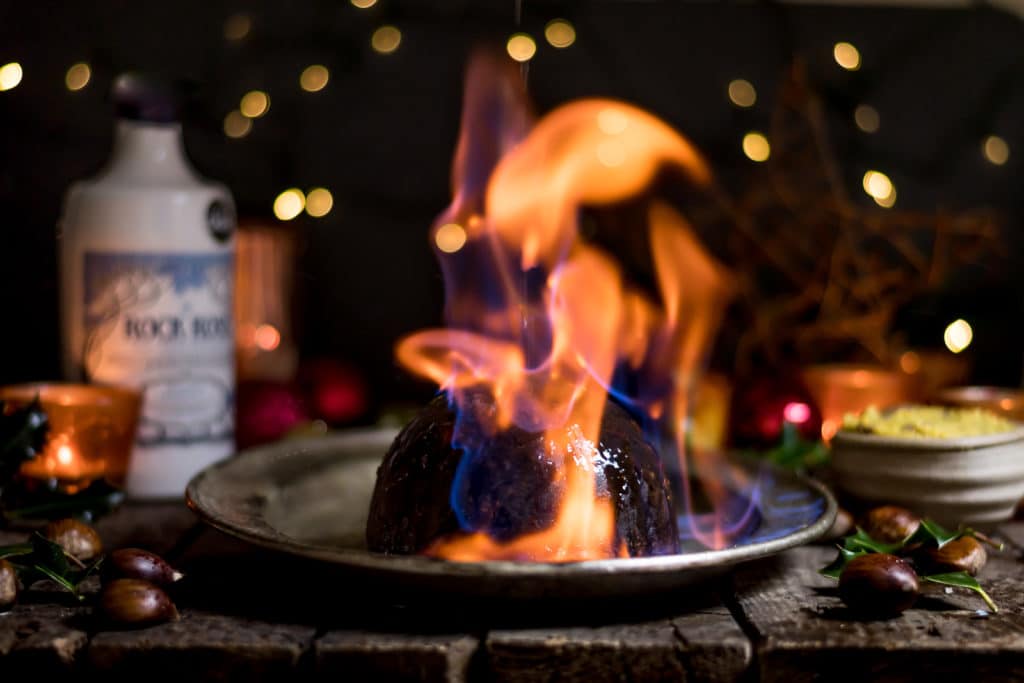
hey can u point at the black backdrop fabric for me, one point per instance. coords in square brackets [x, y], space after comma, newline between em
[381, 134]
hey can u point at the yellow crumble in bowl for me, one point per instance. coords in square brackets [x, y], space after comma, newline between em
[932, 422]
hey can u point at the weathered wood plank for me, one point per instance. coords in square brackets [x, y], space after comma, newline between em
[646, 652]
[375, 656]
[705, 644]
[714, 647]
[217, 646]
[806, 634]
[41, 639]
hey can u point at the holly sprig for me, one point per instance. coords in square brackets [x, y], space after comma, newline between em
[928, 534]
[40, 558]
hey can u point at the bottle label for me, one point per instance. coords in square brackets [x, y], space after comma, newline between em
[163, 323]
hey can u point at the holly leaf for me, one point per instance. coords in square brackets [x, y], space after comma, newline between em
[48, 554]
[863, 542]
[57, 578]
[930, 532]
[962, 580]
[22, 435]
[15, 550]
[833, 570]
[795, 452]
[96, 500]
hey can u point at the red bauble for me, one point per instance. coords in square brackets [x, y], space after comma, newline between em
[335, 391]
[267, 411]
[762, 405]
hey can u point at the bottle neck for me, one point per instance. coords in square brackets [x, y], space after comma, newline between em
[149, 151]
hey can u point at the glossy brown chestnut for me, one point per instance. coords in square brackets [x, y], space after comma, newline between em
[878, 584]
[77, 538]
[8, 585]
[135, 563]
[890, 524]
[965, 554]
[133, 602]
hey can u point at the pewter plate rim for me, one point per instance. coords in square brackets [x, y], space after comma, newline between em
[254, 528]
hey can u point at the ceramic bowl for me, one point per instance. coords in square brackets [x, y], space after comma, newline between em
[974, 480]
[1006, 402]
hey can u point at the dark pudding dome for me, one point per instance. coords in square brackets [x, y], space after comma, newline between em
[512, 487]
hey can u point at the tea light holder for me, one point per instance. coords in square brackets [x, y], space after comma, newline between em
[838, 389]
[92, 429]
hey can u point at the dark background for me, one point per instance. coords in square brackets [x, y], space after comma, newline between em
[380, 136]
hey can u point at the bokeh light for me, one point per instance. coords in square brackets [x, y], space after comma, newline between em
[559, 33]
[521, 47]
[78, 76]
[958, 335]
[267, 337]
[236, 125]
[995, 150]
[289, 204]
[910, 362]
[386, 39]
[237, 27]
[254, 104]
[796, 412]
[756, 147]
[450, 237]
[879, 187]
[364, 4]
[10, 76]
[314, 78]
[742, 93]
[846, 56]
[867, 119]
[319, 202]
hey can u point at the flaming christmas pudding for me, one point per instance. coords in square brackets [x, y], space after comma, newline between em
[552, 356]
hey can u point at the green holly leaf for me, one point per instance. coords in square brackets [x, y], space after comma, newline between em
[930, 532]
[22, 435]
[861, 541]
[962, 580]
[48, 554]
[15, 550]
[41, 558]
[833, 570]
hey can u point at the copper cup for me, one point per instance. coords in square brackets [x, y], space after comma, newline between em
[1000, 400]
[92, 429]
[839, 389]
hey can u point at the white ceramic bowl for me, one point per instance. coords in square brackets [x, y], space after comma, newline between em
[971, 480]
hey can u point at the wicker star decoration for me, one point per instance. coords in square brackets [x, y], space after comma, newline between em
[820, 275]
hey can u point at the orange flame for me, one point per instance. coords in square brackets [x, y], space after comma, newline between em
[547, 352]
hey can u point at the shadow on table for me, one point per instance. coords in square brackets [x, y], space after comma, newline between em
[226, 576]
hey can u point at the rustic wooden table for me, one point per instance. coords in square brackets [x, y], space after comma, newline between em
[252, 615]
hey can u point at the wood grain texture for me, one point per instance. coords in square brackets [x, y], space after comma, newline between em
[703, 645]
[42, 639]
[804, 633]
[376, 656]
[217, 646]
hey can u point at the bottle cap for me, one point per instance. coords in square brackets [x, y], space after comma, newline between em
[144, 97]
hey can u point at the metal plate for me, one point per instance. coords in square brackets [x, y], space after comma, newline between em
[311, 497]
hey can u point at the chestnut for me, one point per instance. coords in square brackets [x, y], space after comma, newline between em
[841, 527]
[890, 524]
[878, 584]
[135, 563]
[8, 585]
[965, 554]
[78, 539]
[134, 602]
